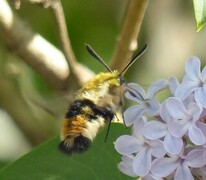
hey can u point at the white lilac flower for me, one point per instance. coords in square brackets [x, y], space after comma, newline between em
[173, 86]
[140, 148]
[183, 119]
[154, 130]
[125, 166]
[193, 82]
[147, 103]
[179, 166]
[172, 144]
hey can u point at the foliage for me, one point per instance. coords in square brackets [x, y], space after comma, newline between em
[47, 162]
[200, 13]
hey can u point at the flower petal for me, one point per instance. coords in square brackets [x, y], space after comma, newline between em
[157, 86]
[133, 113]
[127, 145]
[135, 92]
[126, 166]
[178, 129]
[192, 68]
[175, 108]
[196, 135]
[154, 130]
[204, 74]
[137, 129]
[157, 148]
[202, 127]
[165, 116]
[142, 163]
[185, 88]
[200, 95]
[163, 167]
[173, 85]
[152, 109]
[183, 173]
[172, 144]
[194, 110]
[196, 158]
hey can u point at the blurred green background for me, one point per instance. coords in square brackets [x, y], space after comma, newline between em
[168, 28]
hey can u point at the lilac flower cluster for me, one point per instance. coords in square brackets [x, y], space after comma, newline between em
[168, 139]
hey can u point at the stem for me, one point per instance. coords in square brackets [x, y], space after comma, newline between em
[37, 52]
[75, 67]
[32, 48]
[59, 16]
[127, 42]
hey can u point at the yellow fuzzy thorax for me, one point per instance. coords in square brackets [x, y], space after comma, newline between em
[108, 77]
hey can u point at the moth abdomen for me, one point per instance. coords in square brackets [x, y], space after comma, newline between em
[88, 108]
[105, 112]
[82, 122]
[77, 106]
[72, 144]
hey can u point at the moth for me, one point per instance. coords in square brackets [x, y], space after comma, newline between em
[94, 105]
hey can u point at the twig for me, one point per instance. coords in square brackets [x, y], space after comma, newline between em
[33, 49]
[75, 67]
[48, 61]
[127, 41]
[58, 12]
[59, 16]
[61, 25]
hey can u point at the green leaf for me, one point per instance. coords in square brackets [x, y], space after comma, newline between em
[47, 162]
[200, 13]
[3, 164]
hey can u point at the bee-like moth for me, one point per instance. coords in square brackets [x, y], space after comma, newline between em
[94, 105]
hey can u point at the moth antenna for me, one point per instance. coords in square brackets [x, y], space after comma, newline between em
[134, 59]
[97, 57]
[108, 128]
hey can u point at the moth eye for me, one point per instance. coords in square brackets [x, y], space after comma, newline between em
[121, 80]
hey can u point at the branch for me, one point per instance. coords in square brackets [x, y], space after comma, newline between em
[48, 61]
[33, 49]
[59, 16]
[127, 42]
[58, 12]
